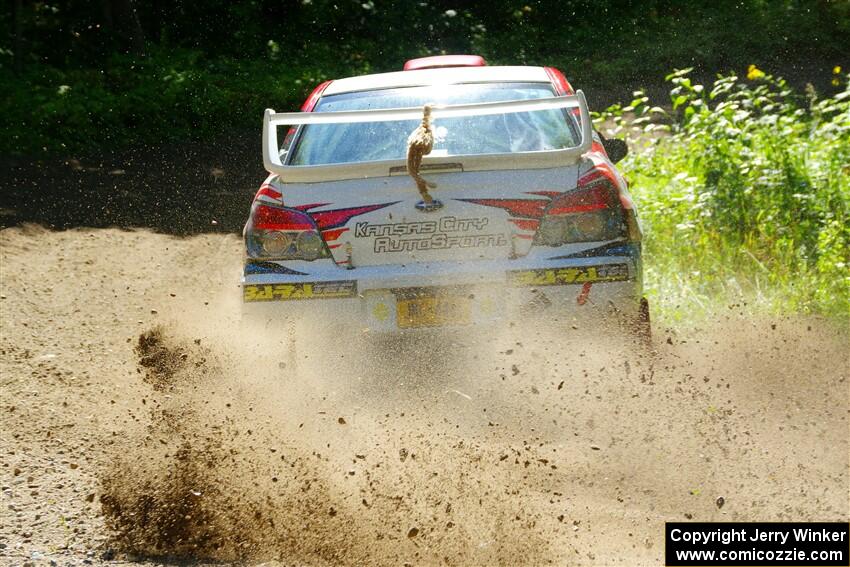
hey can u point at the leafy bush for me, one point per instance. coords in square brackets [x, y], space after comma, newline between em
[744, 191]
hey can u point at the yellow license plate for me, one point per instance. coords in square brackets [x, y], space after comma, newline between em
[433, 311]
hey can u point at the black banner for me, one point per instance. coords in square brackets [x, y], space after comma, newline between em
[691, 544]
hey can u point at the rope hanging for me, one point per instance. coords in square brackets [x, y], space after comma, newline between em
[419, 144]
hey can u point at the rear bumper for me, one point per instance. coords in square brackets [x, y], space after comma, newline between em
[321, 294]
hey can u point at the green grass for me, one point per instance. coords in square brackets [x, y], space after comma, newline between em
[744, 196]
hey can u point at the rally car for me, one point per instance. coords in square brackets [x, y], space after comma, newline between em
[528, 213]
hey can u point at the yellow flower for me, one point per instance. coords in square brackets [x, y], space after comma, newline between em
[754, 73]
[836, 70]
[836, 82]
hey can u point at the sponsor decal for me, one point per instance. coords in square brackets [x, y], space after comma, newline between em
[569, 276]
[445, 224]
[438, 234]
[292, 291]
[438, 242]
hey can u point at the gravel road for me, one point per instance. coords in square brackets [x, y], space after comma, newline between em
[139, 423]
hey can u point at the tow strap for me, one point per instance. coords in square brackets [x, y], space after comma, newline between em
[419, 144]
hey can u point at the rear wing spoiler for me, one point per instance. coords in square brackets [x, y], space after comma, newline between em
[333, 172]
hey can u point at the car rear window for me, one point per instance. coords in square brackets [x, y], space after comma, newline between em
[322, 144]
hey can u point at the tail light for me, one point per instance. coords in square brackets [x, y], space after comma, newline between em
[278, 233]
[595, 211]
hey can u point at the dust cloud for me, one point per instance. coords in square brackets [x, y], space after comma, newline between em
[533, 443]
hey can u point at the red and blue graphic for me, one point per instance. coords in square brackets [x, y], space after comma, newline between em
[332, 223]
[524, 213]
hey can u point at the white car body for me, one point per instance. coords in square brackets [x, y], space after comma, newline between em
[390, 265]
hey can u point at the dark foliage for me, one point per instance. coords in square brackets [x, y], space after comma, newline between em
[82, 75]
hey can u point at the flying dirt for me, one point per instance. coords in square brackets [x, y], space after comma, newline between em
[141, 420]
